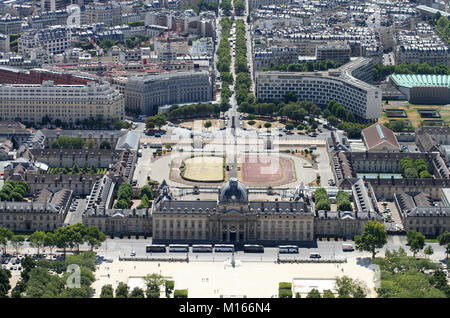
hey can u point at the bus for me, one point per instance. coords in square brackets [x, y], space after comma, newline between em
[288, 249]
[223, 248]
[249, 248]
[207, 248]
[155, 248]
[178, 248]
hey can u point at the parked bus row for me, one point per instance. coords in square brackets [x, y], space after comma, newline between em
[226, 248]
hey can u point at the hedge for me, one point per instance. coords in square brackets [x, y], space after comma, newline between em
[285, 285]
[180, 293]
[284, 293]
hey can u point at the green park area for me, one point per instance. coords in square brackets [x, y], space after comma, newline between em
[414, 119]
[77, 170]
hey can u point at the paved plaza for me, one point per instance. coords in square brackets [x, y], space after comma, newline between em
[216, 279]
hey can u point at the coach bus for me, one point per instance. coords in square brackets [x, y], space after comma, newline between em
[202, 248]
[178, 248]
[288, 249]
[223, 248]
[155, 248]
[249, 248]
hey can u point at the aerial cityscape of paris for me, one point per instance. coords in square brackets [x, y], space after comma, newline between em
[224, 149]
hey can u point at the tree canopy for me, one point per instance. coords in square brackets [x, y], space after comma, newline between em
[373, 237]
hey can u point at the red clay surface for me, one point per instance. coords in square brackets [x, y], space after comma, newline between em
[266, 170]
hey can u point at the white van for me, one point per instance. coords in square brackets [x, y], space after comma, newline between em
[347, 247]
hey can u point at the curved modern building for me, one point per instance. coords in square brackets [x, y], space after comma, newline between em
[342, 85]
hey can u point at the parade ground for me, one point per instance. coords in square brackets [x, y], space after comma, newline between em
[220, 279]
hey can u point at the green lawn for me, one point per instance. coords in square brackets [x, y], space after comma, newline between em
[414, 116]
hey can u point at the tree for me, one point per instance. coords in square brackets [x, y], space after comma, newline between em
[153, 282]
[290, 97]
[289, 126]
[62, 238]
[90, 143]
[333, 120]
[107, 291]
[5, 275]
[425, 174]
[323, 204]
[157, 120]
[105, 145]
[341, 112]
[122, 290]
[373, 237]
[16, 197]
[5, 237]
[314, 293]
[50, 241]
[267, 125]
[416, 241]
[77, 142]
[346, 287]
[121, 204]
[328, 294]
[428, 250]
[17, 241]
[170, 285]
[77, 234]
[4, 196]
[411, 173]
[207, 124]
[147, 191]
[444, 239]
[137, 293]
[37, 239]
[145, 203]
[94, 237]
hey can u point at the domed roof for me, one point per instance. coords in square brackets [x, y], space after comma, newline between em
[233, 191]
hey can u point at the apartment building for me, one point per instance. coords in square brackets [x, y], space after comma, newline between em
[109, 14]
[68, 103]
[119, 221]
[430, 221]
[4, 43]
[274, 56]
[333, 51]
[54, 40]
[46, 19]
[146, 93]
[363, 99]
[258, 3]
[28, 217]
[48, 136]
[421, 45]
[10, 25]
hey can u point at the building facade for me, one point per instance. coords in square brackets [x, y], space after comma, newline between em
[363, 99]
[68, 103]
[54, 40]
[336, 52]
[146, 93]
[233, 218]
